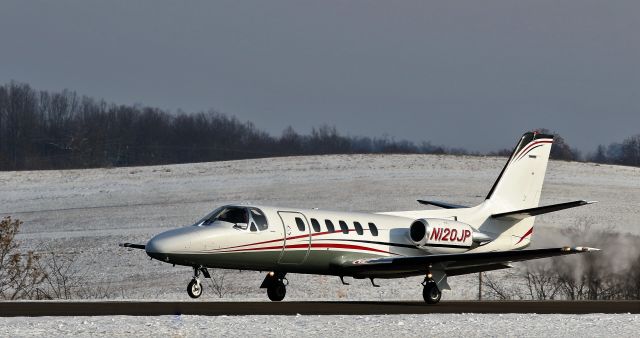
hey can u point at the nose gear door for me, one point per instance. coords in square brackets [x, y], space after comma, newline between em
[297, 237]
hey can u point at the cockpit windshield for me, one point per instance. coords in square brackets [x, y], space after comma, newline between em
[242, 218]
[233, 215]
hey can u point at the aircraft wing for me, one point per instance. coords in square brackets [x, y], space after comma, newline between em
[457, 264]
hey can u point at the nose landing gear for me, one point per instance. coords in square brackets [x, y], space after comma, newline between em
[194, 289]
[275, 284]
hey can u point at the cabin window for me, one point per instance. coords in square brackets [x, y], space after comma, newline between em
[315, 225]
[344, 227]
[358, 227]
[300, 224]
[258, 219]
[329, 225]
[374, 229]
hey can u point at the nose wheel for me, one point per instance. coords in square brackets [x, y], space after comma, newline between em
[194, 289]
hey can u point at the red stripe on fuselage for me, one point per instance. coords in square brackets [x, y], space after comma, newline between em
[278, 240]
[313, 245]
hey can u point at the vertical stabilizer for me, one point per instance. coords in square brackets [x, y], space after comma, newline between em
[520, 182]
[517, 188]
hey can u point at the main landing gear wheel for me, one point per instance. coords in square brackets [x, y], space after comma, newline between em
[430, 293]
[277, 291]
[275, 284]
[194, 289]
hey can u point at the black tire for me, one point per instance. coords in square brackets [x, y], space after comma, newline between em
[194, 289]
[431, 294]
[277, 292]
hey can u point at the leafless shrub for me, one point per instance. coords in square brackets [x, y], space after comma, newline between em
[495, 288]
[542, 281]
[218, 282]
[63, 275]
[43, 275]
[19, 273]
[106, 291]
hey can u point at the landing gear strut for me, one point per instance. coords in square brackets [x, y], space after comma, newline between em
[430, 292]
[275, 284]
[194, 289]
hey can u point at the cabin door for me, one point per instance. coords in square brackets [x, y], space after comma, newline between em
[297, 237]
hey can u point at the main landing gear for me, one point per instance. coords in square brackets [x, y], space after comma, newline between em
[194, 289]
[276, 285]
[430, 292]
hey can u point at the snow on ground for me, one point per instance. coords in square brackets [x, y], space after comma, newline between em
[431, 325]
[87, 212]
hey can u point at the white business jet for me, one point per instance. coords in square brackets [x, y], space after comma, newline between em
[450, 241]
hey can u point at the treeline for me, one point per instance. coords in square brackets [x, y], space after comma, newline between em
[62, 130]
[625, 153]
[43, 130]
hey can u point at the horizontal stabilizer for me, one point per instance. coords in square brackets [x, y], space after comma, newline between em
[442, 204]
[524, 213]
[133, 246]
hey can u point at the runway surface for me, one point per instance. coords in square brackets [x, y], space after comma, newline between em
[155, 308]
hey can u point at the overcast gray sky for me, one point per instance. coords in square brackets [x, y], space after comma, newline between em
[472, 74]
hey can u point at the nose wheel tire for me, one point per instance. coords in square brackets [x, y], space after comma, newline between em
[277, 292]
[194, 289]
[430, 293]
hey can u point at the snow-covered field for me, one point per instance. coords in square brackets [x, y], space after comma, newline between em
[88, 212]
[432, 325]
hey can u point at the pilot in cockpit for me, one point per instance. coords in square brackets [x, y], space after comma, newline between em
[241, 218]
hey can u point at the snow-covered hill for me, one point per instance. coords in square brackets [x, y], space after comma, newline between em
[89, 212]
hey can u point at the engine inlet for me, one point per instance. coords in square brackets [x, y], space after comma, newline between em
[417, 231]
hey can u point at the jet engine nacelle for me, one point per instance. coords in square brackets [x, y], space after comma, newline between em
[444, 236]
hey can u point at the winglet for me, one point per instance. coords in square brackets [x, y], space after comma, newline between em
[579, 249]
[586, 249]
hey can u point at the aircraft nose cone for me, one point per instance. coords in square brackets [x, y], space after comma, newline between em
[157, 248]
[167, 245]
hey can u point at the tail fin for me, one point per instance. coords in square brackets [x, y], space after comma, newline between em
[520, 182]
[517, 188]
